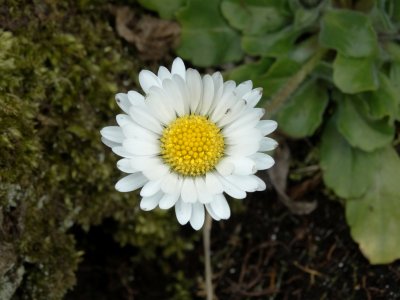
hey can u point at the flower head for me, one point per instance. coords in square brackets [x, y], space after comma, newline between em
[189, 140]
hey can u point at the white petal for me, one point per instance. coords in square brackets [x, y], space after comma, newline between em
[208, 95]
[267, 144]
[160, 108]
[149, 203]
[243, 140]
[144, 162]
[197, 217]
[243, 182]
[263, 161]
[203, 193]
[267, 126]
[261, 184]
[123, 101]
[244, 149]
[119, 150]
[142, 117]
[247, 120]
[211, 212]
[178, 67]
[225, 167]
[243, 88]
[188, 193]
[123, 120]
[163, 73]
[243, 133]
[147, 79]
[109, 143]
[141, 147]
[150, 188]
[233, 113]
[156, 171]
[195, 88]
[231, 189]
[214, 185]
[135, 131]
[183, 211]
[125, 165]
[226, 101]
[183, 90]
[131, 182]
[174, 95]
[170, 184]
[205, 198]
[218, 89]
[168, 200]
[113, 133]
[135, 98]
[243, 166]
[253, 97]
[221, 207]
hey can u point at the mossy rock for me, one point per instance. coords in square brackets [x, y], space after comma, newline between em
[61, 64]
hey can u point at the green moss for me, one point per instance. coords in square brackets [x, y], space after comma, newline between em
[61, 64]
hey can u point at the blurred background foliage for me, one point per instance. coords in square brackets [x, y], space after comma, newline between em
[330, 72]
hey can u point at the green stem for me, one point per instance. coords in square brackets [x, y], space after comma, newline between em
[207, 257]
[294, 82]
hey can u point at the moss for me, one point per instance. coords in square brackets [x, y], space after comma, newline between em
[60, 65]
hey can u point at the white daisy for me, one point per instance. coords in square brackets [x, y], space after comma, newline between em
[189, 140]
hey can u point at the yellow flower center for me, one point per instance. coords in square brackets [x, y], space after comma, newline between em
[192, 145]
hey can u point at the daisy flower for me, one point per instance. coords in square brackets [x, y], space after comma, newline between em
[189, 140]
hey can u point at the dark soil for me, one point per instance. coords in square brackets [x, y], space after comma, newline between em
[264, 253]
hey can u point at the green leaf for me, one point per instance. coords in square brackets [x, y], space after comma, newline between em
[346, 170]
[165, 8]
[206, 38]
[348, 32]
[396, 11]
[250, 71]
[383, 102]
[358, 129]
[272, 44]
[302, 115]
[381, 20]
[394, 76]
[277, 76]
[255, 17]
[374, 218]
[354, 75]
[324, 71]
[305, 17]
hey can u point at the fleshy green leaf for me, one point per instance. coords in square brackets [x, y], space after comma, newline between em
[272, 44]
[394, 77]
[277, 76]
[250, 71]
[255, 17]
[384, 102]
[303, 113]
[206, 38]
[165, 8]
[305, 17]
[349, 32]
[346, 170]
[374, 218]
[355, 75]
[358, 129]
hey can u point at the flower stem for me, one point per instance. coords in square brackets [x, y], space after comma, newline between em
[207, 257]
[294, 82]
